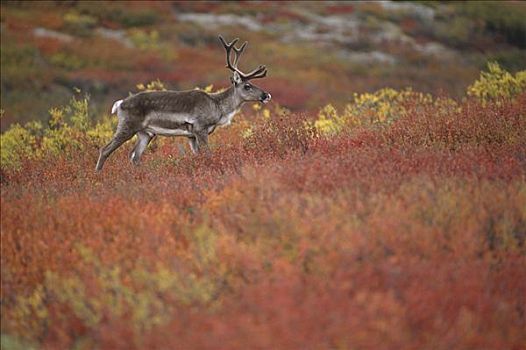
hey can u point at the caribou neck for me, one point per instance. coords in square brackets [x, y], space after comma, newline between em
[228, 100]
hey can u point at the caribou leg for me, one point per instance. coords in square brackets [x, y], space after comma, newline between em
[120, 137]
[143, 139]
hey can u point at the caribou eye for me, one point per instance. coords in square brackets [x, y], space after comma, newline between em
[247, 87]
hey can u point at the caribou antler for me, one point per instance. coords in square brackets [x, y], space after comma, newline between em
[259, 72]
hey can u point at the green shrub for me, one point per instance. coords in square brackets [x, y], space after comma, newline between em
[506, 19]
[20, 64]
[120, 13]
[66, 60]
[144, 40]
[457, 31]
[512, 60]
[78, 111]
[9, 342]
[79, 24]
[137, 18]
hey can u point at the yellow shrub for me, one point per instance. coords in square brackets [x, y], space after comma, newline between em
[78, 111]
[329, 122]
[30, 314]
[16, 144]
[103, 131]
[56, 141]
[66, 126]
[497, 83]
[247, 132]
[140, 293]
[380, 107]
[60, 135]
[154, 85]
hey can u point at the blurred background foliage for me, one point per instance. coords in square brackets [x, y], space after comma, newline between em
[394, 146]
[317, 52]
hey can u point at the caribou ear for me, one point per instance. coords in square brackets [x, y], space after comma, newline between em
[236, 78]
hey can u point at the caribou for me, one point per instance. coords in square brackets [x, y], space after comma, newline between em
[194, 114]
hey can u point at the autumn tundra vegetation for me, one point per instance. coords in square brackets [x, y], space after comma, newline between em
[194, 114]
[393, 219]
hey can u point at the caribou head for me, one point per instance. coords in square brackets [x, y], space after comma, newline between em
[241, 81]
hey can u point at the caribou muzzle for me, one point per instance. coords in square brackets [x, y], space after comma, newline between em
[265, 97]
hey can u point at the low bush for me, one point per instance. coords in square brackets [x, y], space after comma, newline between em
[497, 83]
[69, 128]
[79, 24]
[401, 225]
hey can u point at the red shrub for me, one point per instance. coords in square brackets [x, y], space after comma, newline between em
[402, 236]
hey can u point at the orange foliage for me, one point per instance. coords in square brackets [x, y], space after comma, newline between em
[408, 235]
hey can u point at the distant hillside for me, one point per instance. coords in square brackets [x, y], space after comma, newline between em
[316, 52]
